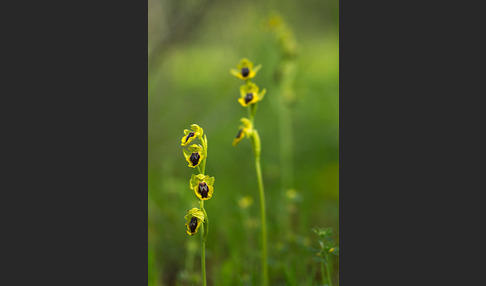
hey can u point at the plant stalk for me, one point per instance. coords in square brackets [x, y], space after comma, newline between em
[322, 275]
[255, 140]
[256, 145]
[286, 133]
[328, 272]
[205, 228]
[264, 225]
[203, 243]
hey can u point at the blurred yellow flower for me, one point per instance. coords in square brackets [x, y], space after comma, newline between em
[202, 186]
[245, 202]
[291, 194]
[252, 223]
[194, 156]
[274, 22]
[191, 135]
[245, 69]
[249, 94]
[194, 218]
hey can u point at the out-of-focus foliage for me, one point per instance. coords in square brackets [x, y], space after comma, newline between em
[192, 47]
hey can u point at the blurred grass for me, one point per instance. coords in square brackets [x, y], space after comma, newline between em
[189, 82]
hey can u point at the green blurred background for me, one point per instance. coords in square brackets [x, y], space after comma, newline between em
[192, 45]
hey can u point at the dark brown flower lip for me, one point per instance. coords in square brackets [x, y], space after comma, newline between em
[193, 224]
[189, 135]
[245, 71]
[203, 189]
[239, 133]
[248, 97]
[195, 158]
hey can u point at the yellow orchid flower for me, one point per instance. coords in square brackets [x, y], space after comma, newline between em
[245, 129]
[202, 186]
[249, 94]
[191, 135]
[194, 156]
[245, 69]
[194, 218]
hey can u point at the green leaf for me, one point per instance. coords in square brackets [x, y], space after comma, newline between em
[319, 259]
[313, 250]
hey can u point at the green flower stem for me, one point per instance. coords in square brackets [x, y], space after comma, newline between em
[328, 272]
[206, 220]
[256, 145]
[255, 140]
[286, 133]
[203, 166]
[205, 146]
[264, 226]
[253, 109]
[322, 274]
[205, 228]
[286, 166]
[203, 243]
[201, 202]
[203, 258]
[287, 68]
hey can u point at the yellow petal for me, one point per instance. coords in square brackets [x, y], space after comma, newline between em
[235, 72]
[247, 88]
[244, 62]
[195, 148]
[251, 74]
[241, 100]
[198, 130]
[186, 153]
[187, 140]
[194, 212]
[255, 99]
[188, 230]
[201, 177]
[193, 181]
